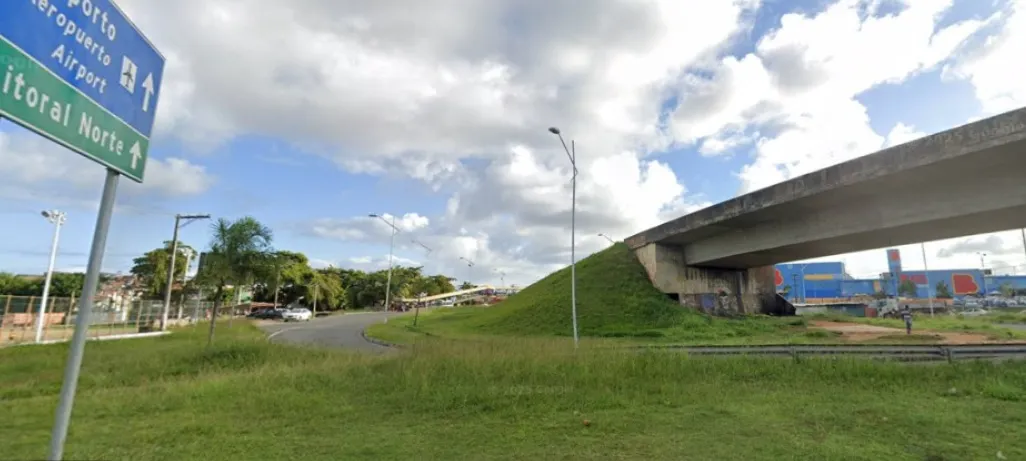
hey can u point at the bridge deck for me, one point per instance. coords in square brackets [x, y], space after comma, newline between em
[899, 167]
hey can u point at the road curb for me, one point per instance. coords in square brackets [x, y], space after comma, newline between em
[372, 340]
[150, 334]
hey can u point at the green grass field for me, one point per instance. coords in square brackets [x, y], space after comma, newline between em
[989, 325]
[463, 323]
[618, 304]
[248, 399]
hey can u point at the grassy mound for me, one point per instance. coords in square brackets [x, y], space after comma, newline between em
[614, 298]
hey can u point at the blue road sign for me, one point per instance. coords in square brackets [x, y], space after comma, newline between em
[92, 46]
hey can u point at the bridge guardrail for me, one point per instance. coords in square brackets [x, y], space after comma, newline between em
[947, 352]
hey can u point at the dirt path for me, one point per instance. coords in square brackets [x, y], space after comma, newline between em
[856, 332]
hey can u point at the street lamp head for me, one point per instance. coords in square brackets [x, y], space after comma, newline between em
[46, 214]
[373, 215]
[554, 130]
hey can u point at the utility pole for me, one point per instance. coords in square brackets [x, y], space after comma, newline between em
[1023, 241]
[983, 274]
[926, 273]
[188, 263]
[171, 269]
[57, 219]
[391, 252]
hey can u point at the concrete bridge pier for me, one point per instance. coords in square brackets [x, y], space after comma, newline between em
[715, 291]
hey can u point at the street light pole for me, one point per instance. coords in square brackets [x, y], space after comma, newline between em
[607, 238]
[502, 278]
[429, 250]
[421, 294]
[926, 273]
[983, 274]
[805, 292]
[391, 250]
[171, 269]
[1023, 240]
[57, 219]
[572, 154]
[470, 264]
[277, 286]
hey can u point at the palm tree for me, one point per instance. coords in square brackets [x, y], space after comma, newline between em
[238, 251]
[319, 287]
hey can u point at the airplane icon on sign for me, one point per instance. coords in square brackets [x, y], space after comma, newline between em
[128, 71]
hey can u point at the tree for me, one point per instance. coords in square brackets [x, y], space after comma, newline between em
[880, 295]
[238, 250]
[151, 268]
[907, 288]
[62, 285]
[1007, 290]
[942, 290]
[785, 290]
[11, 284]
[320, 286]
[66, 284]
[466, 286]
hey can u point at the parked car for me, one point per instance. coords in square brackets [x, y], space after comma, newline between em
[975, 312]
[268, 314]
[297, 314]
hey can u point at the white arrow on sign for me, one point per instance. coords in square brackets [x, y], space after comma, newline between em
[148, 86]
[136, 152]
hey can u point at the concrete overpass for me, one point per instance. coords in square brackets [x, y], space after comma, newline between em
[964, 181]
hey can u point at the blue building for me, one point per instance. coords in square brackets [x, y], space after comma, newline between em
[801, 282]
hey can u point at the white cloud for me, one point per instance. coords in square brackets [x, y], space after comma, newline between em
[36, 167]
[1004, 253]
[458, 94]
[366, 228]
[176, 177]
[801, 83]
[902, 133]
[374, 263]
[991, 69]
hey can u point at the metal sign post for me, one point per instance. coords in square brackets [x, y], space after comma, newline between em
[85, 307]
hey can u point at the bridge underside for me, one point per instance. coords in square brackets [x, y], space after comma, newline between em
[712, 290]
[965, 181]
[964, 196]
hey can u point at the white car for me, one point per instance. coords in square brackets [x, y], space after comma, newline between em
[297, 314]
[976, 312]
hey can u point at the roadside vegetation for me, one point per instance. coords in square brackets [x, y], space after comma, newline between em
[247, 398]
[989, 325]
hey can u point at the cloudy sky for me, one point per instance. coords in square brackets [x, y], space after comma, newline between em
[311, 114]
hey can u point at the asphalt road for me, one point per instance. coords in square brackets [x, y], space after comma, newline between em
[339, 331]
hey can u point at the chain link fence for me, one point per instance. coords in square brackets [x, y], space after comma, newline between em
[19, 315]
